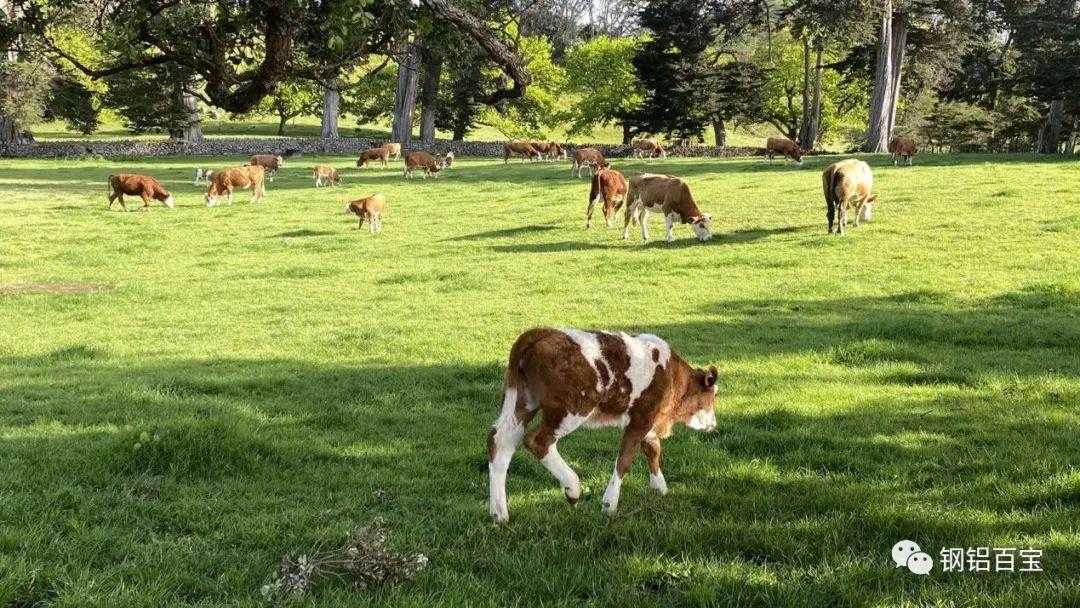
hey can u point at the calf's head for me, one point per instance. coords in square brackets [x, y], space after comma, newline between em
[167, 200]
[702, 227]
[695, 409]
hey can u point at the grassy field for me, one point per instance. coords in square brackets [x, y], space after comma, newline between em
[188, 394]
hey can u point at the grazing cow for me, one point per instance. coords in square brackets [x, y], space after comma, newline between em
[203, 175]
[783, 147]
[549, 149]
[609, 186]
[325, 173]
[902, 147]
[448, 160]
[269, 162]
[370, 208]
[392, 149]
[671, 197]
[594, 379]
[648, 148]
[848, 183]
[520, 148]
[421, 160]
[143, 186]
[381, 153]
[587, 157]
[237, 178]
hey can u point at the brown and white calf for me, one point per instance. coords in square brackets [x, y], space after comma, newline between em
[143, 186]
[520, 148]
[608, 186]
[902, 147]
[223, 182]
[423, 161]
[549, 149]
[671, 197]
[379, 154]
[369, 208]
[848, 183]
[448, 160]
[587, 157]
[575, 378]
[269, 162]
[783, 147]
[648, 148]
[325, 174]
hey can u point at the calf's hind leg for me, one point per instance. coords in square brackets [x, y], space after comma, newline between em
[542, 441]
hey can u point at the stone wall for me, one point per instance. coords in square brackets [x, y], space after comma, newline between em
[343, 146]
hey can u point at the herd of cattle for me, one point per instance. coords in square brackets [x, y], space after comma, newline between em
[847, 184]
[574, 378]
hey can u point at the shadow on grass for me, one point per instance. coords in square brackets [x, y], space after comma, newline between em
[503, 233]
[302, 233]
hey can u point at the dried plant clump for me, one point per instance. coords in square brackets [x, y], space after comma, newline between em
[365, 561]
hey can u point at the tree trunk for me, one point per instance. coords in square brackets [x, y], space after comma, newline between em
[899, 46]
[1051, 131]
[331, 109]
[190, 130]
[459, 133]
[9, 131]
[877, 131]
[814, 132]
[627, 134]
[804, 128]
[405, 96]
[282, 119]
[719, 132]
[429, 96]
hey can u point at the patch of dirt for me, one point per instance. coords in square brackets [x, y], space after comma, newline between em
[13, 289]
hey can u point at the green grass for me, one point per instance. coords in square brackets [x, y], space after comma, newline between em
[918, 378]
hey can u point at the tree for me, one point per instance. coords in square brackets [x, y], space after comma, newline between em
[459, 109]
[167, 105]
[686, 41]
[600, 75]
[241, 51]
[24, 88]
[1049, 66]
[292, 99]
[538, 110]
[73, 102]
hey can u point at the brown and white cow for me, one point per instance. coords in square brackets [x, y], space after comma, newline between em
[143, 186]
[587, 157]
[269, 162]
[783, 147]
[648, 148]
[369, 208]
[448, 160]
[520, 148]
[848, 183]
[902, 147]
[223, 182]
[669, 196]
[325, 174]
[379, 154]
[608, 186]
[392, 149]
[421, 160]
[575, 378]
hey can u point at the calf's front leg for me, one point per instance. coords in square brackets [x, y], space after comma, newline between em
[630, 440]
